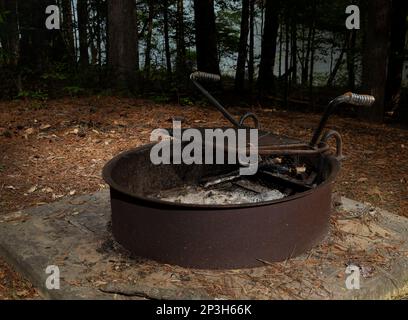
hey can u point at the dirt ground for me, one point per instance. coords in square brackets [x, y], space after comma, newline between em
[55, 149]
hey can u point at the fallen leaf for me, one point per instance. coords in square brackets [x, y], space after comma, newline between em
[32, 189]
[45, 127]
[29, 131]
[362, 180]
[47, 190]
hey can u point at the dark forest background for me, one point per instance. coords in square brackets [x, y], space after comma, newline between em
[267, 50]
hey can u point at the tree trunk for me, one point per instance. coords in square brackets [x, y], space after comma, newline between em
[181, 46]
[167, 38]
[122, 60]
[251, 59]
[268, 50]
[309, 46]
[99, 31]
[287, 67]
[243, 48]
[338, 64]
[396, 59]
[294, 51]
[149, 39]
[206, 39]
[280, 51]
[312, 55]
[82, 8]
[375, 55]
[68, 29]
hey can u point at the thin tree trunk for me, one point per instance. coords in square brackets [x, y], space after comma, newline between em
[280, 50]
[74, 28]
[332, 54]
[309, 47]
[312, 55]
[338, 64]
[149, 39]
[181, 47]
[166, 38]
[99, 31]
[243, 48]
[251, 59]
[206, 36]
[294, 51]
[287, 54]
[82, 7]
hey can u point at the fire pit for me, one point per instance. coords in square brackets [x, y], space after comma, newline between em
[208, 216]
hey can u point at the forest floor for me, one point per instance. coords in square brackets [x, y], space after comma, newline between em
[55, 149]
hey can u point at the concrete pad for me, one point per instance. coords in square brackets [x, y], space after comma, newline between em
[73, 234]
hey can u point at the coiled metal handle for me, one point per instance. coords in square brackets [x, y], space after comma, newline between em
[199, 75]
[361, 100]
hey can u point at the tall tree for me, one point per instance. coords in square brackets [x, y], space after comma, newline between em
[243, 47]
[180, 43]
[206, 39]
[167, 38]
[152, 8]
[68, 30]
[251, 59]
[375, 54]
[268, 50]
[312, 53]
[339, 63]
[83, 20]
[122, 57]
[294, 48]
[397, 53]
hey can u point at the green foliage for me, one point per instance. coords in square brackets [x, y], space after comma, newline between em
[160, 99]
[74, 91]
[228, 30]
[35, 95]
[186, 102]
[54, 76]
[3, 15]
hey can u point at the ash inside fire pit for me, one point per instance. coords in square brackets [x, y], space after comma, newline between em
[244, 191]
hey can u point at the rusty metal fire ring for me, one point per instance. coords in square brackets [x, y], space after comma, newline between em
[212, 236]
